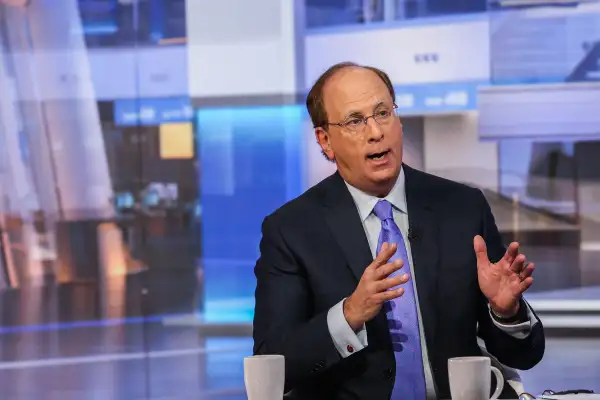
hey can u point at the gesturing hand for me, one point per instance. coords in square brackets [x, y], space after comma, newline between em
[504, 282]
[374, 288]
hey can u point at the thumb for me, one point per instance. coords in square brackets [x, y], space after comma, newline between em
[480, 251]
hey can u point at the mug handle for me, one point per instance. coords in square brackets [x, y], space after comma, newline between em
[499, 383]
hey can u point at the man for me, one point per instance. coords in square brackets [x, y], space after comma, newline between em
[371, 280]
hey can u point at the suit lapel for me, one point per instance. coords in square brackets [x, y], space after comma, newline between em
[343, 220]
[424, 246]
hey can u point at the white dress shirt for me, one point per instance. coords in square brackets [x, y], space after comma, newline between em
[342, 334]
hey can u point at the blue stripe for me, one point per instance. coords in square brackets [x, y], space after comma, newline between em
[84, 324]
[99, 29]
[423, 99]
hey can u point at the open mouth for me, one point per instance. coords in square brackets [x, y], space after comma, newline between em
[377, 156]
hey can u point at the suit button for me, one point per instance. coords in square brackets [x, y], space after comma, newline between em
[389, 374]
[350, 349]
[318, 366]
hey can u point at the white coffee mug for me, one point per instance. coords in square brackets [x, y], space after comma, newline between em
[470, 378]
[264, 377]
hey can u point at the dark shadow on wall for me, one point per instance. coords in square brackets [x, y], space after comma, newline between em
[555, 163]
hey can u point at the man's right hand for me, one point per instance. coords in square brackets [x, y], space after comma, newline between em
[374, 288]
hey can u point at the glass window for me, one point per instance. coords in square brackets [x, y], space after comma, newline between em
[100, 222]
[109, 23]
[357, 12]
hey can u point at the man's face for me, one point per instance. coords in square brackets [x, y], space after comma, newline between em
[368, 157]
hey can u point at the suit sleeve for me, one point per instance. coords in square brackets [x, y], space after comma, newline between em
[517, 351]
[284, 322]
[520, 330]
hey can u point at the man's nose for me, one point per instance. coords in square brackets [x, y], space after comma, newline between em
[373, 130]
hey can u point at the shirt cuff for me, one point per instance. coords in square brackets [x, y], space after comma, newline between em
[519, 331]
[346, 341]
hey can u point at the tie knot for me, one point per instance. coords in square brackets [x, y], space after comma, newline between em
[383, 210]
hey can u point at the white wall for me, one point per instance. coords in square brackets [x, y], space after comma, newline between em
[409, 54]
[243, 48]
[557, 112]
[453, 150]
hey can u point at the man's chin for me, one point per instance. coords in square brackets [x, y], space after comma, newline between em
[385, 180]
[385, 174]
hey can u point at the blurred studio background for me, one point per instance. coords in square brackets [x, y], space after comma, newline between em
[142, 142]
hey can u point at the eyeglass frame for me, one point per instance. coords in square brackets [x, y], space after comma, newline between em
[364, 120]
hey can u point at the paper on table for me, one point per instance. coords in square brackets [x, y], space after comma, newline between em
[581, 396]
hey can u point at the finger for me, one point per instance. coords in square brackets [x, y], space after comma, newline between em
[389, 283]
[480, 251]
[382, 297]
[526, 284]
[511, 253]
[387, 251]
[527, 271]
[518, 264]
[387, 269]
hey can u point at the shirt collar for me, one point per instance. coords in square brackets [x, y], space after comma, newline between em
[365, 202]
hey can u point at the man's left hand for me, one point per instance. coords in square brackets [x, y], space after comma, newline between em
[503, 282]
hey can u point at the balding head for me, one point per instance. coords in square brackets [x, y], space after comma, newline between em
[315, 102]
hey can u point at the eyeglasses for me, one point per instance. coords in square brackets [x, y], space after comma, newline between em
[356, 124]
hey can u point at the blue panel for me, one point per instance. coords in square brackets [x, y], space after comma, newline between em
[437, 97]
[157, 21]
[134, 112]
[251, 165]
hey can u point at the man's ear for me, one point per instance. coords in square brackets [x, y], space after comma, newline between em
[324, 141]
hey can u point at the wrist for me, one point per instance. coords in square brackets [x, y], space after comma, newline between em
[512, 315]
[505, 313]
[354, 323]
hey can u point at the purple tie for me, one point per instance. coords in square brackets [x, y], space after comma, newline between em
[402, 316]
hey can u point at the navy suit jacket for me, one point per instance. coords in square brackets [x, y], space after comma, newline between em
[313, 253]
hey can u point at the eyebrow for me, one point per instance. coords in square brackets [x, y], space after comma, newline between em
[357, 113]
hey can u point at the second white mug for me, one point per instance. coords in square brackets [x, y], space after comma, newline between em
[470, 378]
